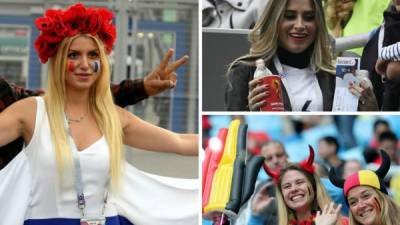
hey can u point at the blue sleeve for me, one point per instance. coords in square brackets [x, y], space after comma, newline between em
[256, 220]
[336, 194]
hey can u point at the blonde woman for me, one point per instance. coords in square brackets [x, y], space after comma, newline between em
[292, 39]
[74, 135]
[367, 196]
[301, 198]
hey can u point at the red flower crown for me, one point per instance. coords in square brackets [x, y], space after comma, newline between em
[58, 24]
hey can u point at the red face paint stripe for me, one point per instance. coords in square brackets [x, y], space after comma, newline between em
[377, 205]
[71, 66]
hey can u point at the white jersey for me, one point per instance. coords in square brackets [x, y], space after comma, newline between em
[31, 192]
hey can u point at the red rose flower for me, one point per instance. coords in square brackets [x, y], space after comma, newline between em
[44, 24]
[59, 24]
[93, 23]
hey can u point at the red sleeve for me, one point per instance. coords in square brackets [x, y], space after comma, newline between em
[345, 220]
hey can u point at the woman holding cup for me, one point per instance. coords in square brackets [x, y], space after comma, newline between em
[292, 39]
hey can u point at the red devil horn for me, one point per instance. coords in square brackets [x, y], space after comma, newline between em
[274, 174]
[307, 164]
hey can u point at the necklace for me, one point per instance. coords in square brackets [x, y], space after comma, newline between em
[76, 120]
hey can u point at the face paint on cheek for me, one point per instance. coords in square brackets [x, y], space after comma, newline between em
[377, 206]
[95, 66]
[71, 66]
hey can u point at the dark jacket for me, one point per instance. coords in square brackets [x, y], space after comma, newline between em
[128, 92]
[237, 88]
[387, 94]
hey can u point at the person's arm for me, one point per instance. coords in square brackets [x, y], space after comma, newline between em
[129, 92]
[390, 52]
[10, 93]
[14, 121]
[143, 135]
[237, 88]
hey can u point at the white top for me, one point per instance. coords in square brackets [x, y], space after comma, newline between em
[29, 188]
[302, 87]
[49, 197]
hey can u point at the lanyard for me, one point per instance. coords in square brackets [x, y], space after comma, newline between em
[78, 173]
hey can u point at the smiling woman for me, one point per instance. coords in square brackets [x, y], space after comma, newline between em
[292, 39]
[301, 198]
[367, 197]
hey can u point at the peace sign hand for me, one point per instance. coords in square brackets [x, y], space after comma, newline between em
[164, 76]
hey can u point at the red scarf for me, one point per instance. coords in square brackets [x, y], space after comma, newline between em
[309, 221]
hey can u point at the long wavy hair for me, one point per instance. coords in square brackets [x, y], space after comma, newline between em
[100, 104]
[321, 197]
[264, 37]
[390, 213]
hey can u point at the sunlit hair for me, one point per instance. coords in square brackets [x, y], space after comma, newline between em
[264, 37]
[322, 199]
[390, 213]
[100, 104]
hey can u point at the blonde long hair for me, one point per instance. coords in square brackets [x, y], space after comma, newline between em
[390, 213]
[322, 197]
[100, 104]
[264, 37]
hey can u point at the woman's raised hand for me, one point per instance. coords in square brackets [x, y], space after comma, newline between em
[164, 76]
[257, 94]
[261, 199]
[329, 215]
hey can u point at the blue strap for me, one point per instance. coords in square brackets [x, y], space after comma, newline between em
[78, 173]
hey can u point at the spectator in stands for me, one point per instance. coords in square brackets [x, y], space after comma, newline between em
[301, 198]
[388, 143]
[389, 56]
[263, 203]
[380, 126]
[351, 166]
[231, 14]
[327, 150]
[263, 207]
[387, 93]
[291, 37]
[351, 17]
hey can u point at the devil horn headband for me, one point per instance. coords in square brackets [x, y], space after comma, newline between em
[306, 164]
[380, 172]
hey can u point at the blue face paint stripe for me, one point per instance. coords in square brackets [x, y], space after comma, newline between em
[95, 66]
[115, 220]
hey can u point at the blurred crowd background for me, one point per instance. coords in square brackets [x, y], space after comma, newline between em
[346, 142]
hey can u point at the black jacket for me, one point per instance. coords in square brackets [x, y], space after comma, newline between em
[387, 94]
[237, 88]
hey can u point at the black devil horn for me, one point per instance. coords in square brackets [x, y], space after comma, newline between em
[385, 165]
[337, 181]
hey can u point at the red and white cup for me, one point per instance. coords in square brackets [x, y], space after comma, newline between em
[274, 100]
